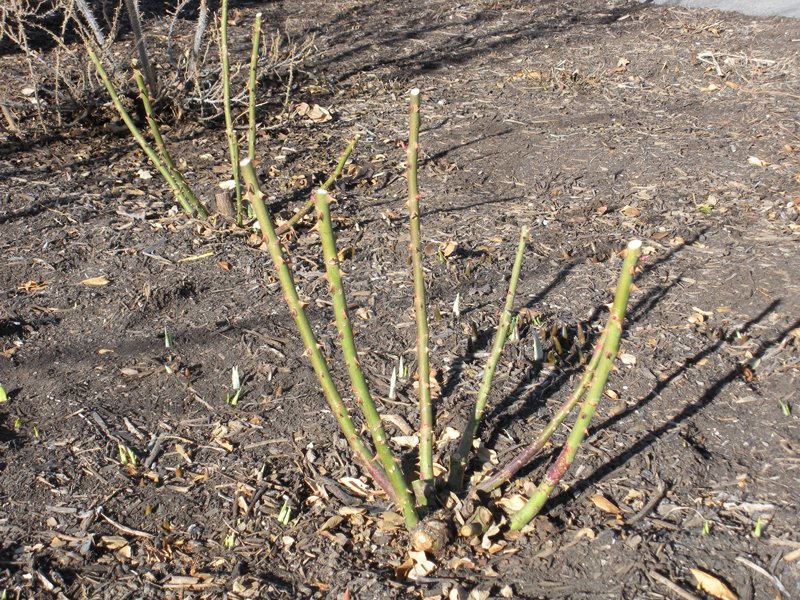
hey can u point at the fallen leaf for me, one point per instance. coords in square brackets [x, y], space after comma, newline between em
[622, 65]
[513, 503]
[448, 435]
[627, 359]
[95, 281]
[713, 586]
[448, 248]
[345, 253]
[356, 486]
[630, 211]
[315, 113]
[406, 441]
[422, 566]
[112, 542]
[604, 504]
[224, 265]
[757, 162]
[711, 88]
[32, 286]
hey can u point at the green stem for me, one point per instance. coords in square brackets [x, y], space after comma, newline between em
[505, 474]
[458, 461]
[137, 135]
[423, 364]
[360, 387]
[295, 306]
[308, 206]
[251, 88]
[589, 407]
[233, 143]
[161, 148]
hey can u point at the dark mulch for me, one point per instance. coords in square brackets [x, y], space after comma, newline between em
[592, 122]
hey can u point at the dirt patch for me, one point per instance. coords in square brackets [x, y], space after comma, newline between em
[591, 122]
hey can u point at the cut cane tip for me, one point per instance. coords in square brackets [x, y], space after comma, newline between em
[244, 162]
[414, 92]
[322, 192]
[634, 244]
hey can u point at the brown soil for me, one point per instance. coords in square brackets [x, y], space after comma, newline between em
[593, 122]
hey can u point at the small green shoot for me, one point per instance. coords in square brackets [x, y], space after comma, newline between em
[706, 209]
[3, 395]
[759, 528]
[513, 330]
[230, 540]
[393, 384]
[785, 408]
[236, 384]
[167, 338]
[457, 307]
[233, 400]
[538, 351]
[235, 381]
[126, 455]
[36, 432]
[402, 369]
[706, 530]
[285, 514]
[17, 425]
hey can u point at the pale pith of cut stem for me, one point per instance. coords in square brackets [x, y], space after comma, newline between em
[589, 407]
[458, 461]
[308, 206]
[423, 365]
[251, 89]
[137, 135]
[504, 474]
[233, 143]
[359, 383]
[315, 355]
[161, 148]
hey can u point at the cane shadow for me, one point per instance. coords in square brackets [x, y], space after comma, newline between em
[523, 395]
[690, 410]
[485, 336]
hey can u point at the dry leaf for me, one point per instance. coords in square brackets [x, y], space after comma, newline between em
[316, 113]
[398, 422]
[422, 566]
[448, 435]
[627, 359]
[356, 486]
[513, 503]
[345, 253]
[406, 441]
[448, 248]
[711, 88]
[95, 281]
[713, 586]
[112, 542]
[630, 211]
[757, 162]
[223, 443]
[32, 286]
[604, 504]
[224, 265]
